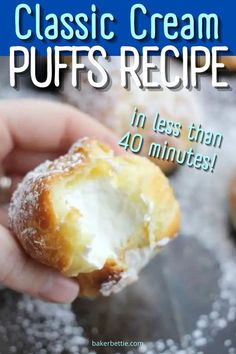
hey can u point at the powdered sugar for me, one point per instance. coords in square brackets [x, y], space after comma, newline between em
[37, 327]
[25, 198]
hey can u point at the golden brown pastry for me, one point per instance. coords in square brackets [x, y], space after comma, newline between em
[95, 216]
[232, 201]
[228, 61]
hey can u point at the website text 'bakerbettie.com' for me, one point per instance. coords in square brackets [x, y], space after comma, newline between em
[120, 343]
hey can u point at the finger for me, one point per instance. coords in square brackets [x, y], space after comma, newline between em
[21, 161]
[22, 274]
[46, 126]
[5, 199]
[6, 195]
[4, 216]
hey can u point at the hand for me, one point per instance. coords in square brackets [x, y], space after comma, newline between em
[32, 131]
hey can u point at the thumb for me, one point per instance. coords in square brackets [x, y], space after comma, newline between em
[19, 272]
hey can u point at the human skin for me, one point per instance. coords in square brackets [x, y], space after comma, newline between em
[32, 131]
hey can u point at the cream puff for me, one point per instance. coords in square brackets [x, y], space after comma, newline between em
[94, 216]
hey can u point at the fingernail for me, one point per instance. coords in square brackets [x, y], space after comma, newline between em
[59, 289]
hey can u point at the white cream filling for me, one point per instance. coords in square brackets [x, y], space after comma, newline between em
[109, 217]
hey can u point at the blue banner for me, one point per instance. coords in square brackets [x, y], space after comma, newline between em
[114, 24]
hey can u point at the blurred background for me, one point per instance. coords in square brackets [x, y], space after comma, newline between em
[185, 299]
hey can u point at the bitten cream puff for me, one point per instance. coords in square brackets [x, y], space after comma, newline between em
[94, 216]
